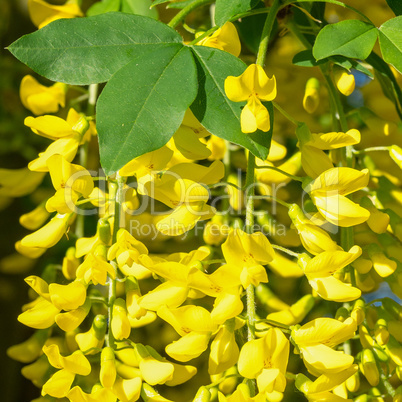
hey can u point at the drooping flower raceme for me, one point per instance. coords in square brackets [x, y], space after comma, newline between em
[252, 86]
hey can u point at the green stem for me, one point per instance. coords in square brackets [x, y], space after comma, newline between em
[185, 11]
[285, 250]
[250, 179]
[285, 114]
[266, 32]
[116, 192]
[296, 178]
[372, 149]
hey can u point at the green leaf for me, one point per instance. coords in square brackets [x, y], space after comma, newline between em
[391, 42]
[104, 6]
[250, 28]
[350, 38]
[305, 58]
[395, 6]
[348, 64]
[143, 104]
[225, 10]
[219, 115]
[386, 78]
[82, 51]
[139, 7]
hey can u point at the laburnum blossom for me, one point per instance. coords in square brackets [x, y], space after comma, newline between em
[43, 13]
[344, 81]
[316, 341]
[60, 383]
[311, 98]
[19, 182]
[313, 158]
[179, 188]
[314, 239]
[320, 269]
[127, 251]
[320, 389]
[70, 182]
[252, 86]
[245, 254]
[67, 135]
[195, 326]
[224, 38]
[266, 360]
[40, 99]
[329, 190]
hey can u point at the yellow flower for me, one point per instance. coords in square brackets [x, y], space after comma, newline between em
[319, 271]
[36, 218]
[68, 134]
[94, 338]
[127, 251]
[345, 82]
[95, 268]
[76, 394]
[120, 324]
[107, 373]
[245, 253]
[29, 350]
[49, 235]
[252, 86]
[224, 38]
[314, 239]
[328, 193]
[314, 160]
[59, 384]
[19, 182]
[40, 99]
[42, 13]
[70, 182]
[266, 360]
[311, 98]
[316, 341]
[224, 350]
[194, 324]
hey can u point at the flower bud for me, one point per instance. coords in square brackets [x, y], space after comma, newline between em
[107, 373]
[381, 333]
[395, 153]
[104, 231]
[203, 395]
[120, 325]
[94, 338]
[345, 82]
[311, 98]
[369, 367]
[353, 382]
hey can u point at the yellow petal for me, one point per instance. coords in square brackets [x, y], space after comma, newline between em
[314, 161]
[155, 372]
[189, 346]
[72, 319]
[59, 384]
[49, 126]
[341, 180]
[68, 297]
[325, 330]
[331, 288]
[127, 390]
[328, 262]
[224, 38]
[40, 11]
[41, 316]
[48, 235]
[335, 140]
[325, 359]
[64, 146]
[341, 211]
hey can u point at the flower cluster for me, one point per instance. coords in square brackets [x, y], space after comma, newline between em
[259, 273]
